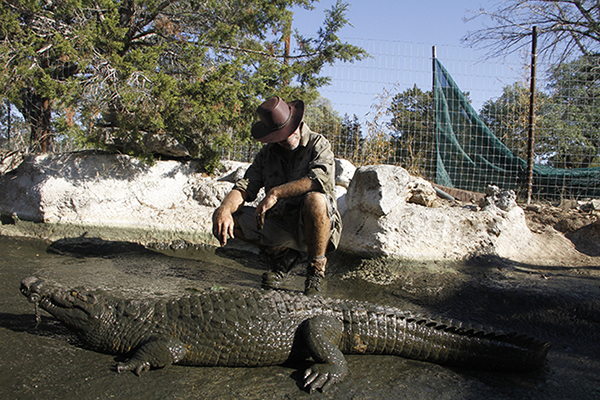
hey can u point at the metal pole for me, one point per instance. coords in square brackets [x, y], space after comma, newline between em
[433, 57]
[531, 135]
[8, 124]
[435, 134]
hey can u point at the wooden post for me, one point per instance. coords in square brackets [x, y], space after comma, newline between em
[531, 134]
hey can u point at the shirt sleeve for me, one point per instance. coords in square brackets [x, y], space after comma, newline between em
[252, 181]
[322, 166]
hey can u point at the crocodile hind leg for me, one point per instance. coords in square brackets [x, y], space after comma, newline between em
[155, 353]
[322, 336]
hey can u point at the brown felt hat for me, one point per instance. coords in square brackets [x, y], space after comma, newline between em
[278, 120]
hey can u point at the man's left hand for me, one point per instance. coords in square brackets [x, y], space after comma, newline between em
[265, 205]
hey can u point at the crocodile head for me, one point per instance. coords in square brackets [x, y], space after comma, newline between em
[76, 308]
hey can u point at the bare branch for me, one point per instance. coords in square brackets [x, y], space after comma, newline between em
[566, 28]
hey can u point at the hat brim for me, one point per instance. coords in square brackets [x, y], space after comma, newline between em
[262, 134]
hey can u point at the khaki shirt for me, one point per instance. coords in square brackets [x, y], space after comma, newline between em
[274, 166]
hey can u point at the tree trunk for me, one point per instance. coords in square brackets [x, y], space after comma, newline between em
[37, 111]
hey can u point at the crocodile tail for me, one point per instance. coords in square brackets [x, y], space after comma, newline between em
[458, 344]
[442, 342]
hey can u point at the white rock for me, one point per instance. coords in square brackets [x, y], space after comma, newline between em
[344, 171]
[380, 221]
[232, 171]
[421, 192]
[377, 190]
[379, 210]
[107, 190]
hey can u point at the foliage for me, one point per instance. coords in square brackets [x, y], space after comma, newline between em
[413, 129]
[13, 127]
[350, 142]
[344, 134]
[322, 118]
[412, 124]
[567, 116]
[191, 70]
[573, 134]
[376, 147]
[508, 118]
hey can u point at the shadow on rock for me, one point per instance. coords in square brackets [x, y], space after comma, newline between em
[47, 327]
[586, 239]
[94, 247]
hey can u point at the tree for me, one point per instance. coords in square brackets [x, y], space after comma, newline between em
[508, 117]
[321, 117]
[575, 126]
[413, 129]
[343, 134]
[194, 71]
[567, 116]
[566, 28]
[350, 140]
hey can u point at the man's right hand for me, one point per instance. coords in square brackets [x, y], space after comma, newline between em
[223, 222]
[223, 225]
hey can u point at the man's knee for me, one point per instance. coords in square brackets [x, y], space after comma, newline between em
[315, 203]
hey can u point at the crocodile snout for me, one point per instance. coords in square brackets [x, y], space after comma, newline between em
[29, 288]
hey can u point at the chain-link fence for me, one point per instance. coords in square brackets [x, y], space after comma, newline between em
[390, 117]
[382, 110]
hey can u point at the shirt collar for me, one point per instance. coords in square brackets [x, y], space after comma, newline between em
[304, 134]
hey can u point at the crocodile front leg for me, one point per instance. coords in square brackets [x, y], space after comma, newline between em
[322, 336]
[155, 353]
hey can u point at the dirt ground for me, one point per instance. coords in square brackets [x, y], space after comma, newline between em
[577, 221]
[557, 301]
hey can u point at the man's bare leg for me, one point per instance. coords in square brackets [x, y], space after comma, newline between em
[317, 227]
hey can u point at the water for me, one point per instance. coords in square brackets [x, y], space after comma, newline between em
[46, 361]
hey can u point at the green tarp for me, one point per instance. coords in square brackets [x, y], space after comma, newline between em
[470, 157]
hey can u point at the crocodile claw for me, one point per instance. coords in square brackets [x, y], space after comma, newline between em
[322, 376]
[137, 368]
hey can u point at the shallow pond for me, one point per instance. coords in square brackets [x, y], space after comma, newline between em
[46, 361]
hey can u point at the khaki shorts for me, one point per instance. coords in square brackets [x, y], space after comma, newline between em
[285, 230]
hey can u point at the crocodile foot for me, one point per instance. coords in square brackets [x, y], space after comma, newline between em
[137, 367]
[322, 376]
[157, 352]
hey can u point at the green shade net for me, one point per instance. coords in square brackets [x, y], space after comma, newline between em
[470, 157]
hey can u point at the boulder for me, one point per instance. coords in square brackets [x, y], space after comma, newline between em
[385, 210]
[112, 191]
[164, 145]
[392, 213]
[116, 192]
[344, 172]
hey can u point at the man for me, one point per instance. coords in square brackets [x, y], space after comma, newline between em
[296, 168]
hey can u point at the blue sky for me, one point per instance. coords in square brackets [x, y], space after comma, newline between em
[399, 34]
[430, 21]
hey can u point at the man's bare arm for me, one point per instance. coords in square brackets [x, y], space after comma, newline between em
[287, 190]
[223, 223]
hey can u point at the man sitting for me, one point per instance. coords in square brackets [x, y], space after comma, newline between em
[296, 167]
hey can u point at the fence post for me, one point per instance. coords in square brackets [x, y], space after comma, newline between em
[435, 117]
[433, 57]
[531, 134]
[8, 124]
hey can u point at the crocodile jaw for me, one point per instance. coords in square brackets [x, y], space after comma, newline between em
[75, 308]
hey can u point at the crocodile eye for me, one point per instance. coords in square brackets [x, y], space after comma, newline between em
[75, 294]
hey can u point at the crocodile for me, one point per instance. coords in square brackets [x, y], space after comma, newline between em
[250, 327]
